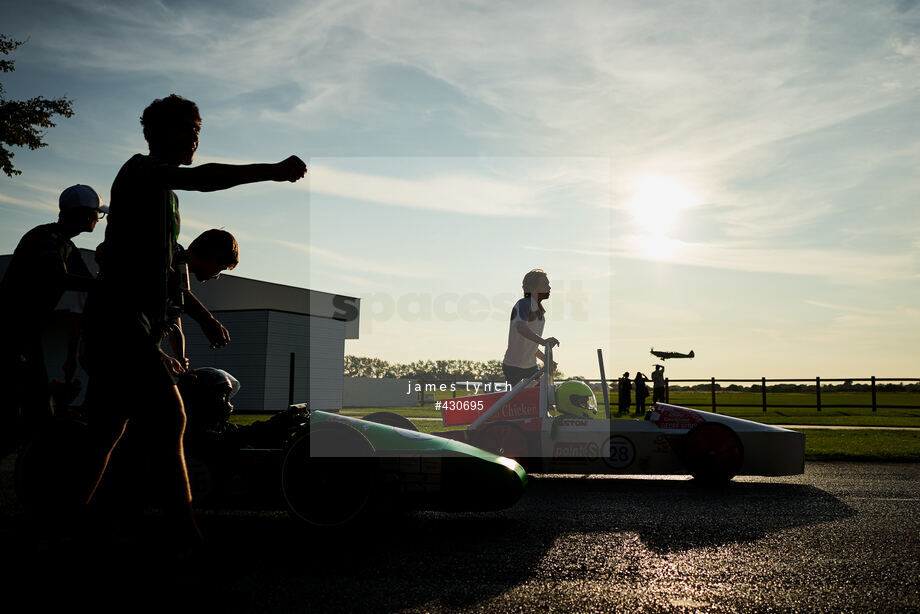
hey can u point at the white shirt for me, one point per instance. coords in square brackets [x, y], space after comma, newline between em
[522, 352]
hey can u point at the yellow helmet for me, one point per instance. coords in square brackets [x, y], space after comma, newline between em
[574, 398]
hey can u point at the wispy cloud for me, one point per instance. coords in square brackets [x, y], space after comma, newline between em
[836, 265]
[447, 192]
[890, 312]
[33, 205]
[380, 266]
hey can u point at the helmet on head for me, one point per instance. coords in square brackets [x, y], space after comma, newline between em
[574, 398]
[206, 393]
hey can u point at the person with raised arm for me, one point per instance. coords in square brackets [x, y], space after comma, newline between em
[127, 314]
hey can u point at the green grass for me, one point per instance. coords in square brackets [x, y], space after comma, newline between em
[862, 445]
[780, 412]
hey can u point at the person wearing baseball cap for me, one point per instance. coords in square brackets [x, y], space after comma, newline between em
[45, 264]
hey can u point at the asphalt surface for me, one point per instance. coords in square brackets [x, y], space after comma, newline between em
[845, 537]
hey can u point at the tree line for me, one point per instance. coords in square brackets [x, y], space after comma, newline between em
[457, 370]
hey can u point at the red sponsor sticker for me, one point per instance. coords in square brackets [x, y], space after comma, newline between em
[465, 410]
[674, 417]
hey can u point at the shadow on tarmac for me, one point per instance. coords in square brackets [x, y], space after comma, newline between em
[271, 562]
[673, 515]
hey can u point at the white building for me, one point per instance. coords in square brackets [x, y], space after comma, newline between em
[287, 343]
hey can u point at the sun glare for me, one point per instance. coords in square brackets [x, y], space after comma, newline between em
[657, 201]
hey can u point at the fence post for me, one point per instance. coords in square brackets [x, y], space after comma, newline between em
[874, 405]
[667, 391]
[763, 393]
[713, 387]
[818, 391]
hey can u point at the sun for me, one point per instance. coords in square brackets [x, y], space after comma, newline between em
[657, 201]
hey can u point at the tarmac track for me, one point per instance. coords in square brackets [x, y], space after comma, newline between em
[845, 537]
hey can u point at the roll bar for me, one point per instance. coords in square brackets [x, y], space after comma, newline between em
[547, 392]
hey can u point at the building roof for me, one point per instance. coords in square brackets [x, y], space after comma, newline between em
[232, 293]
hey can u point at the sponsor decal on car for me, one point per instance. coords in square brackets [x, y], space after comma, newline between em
[576, 451]
[621, 452]
[466, 410]
[673, 417]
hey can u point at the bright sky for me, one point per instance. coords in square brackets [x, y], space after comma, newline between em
[739, 179]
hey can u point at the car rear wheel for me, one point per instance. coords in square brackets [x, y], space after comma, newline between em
[390, 419]
[713, 453]
[327, 474]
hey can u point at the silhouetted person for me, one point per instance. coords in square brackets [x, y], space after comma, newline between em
[624, 392]
[45, 264]
[658, 389]
[126, 317]
[641, 393]
[526, 330]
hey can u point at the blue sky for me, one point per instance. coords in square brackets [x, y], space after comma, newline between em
[734, 178]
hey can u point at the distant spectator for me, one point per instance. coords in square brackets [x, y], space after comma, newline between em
[641, 393]
[624, 390]
[658, 390]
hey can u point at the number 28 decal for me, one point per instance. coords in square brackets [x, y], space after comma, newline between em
[619, 452]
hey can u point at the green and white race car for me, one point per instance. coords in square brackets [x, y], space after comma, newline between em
[326, 469]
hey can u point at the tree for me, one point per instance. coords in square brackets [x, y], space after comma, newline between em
[21, 121]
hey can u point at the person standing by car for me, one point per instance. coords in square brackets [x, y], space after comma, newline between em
[45, 264]
[526, 329]
[127, 315]
[658, 389]
[624, 393]
[641, 393]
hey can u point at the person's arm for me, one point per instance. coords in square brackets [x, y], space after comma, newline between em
[177, 363]
[213, 176]
[50, 262]
[524, 330]
[217, 335]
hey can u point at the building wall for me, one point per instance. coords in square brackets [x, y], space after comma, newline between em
[244, 358]
[378, 392]
[259, 356]
[326, 367]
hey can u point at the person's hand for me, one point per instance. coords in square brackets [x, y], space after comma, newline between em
[70, 368]
[290, 169]
[552, 341]
[176, 366]
[217, 335]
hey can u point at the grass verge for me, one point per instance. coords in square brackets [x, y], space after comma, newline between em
[862, 445]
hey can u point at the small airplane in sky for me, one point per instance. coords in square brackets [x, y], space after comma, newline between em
[666, 355]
